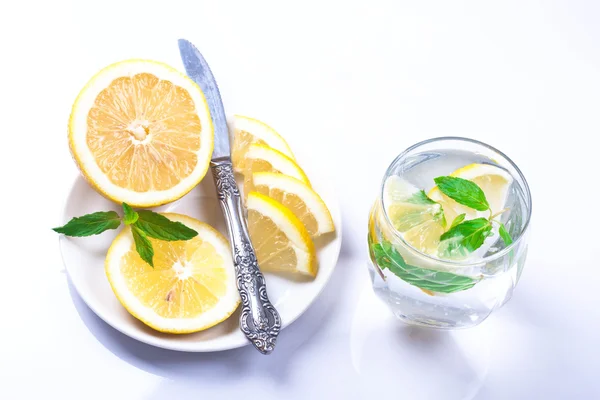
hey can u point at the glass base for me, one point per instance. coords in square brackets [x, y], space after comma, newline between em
[434, 310]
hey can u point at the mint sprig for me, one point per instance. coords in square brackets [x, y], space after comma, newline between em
[129, 216]
[90, 224]
[143, 245]
[421, 197]
[459, 218]
[504, 234]
[160, 227]
[144, 224]
[387, 257]
[470, 234]
[463, 192]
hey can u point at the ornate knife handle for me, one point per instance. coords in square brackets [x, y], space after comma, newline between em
[259, 321]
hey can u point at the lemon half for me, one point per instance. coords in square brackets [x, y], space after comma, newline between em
[141, 133]
[191, 287]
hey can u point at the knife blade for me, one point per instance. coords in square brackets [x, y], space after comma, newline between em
[259, 320]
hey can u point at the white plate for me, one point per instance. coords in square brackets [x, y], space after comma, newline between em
[84, 261]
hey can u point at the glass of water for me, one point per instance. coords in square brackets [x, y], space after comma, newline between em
[448, 232]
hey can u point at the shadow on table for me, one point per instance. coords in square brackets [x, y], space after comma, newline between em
[425, 363]
[228, 366]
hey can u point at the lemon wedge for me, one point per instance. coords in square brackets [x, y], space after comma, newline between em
[261, 158]
[297, 196]
[191, 287]
[141, 133]
[419, 219]
[494, 181]
[281, 241]
[247, 131]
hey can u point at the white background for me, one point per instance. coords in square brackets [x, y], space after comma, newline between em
[350, 85]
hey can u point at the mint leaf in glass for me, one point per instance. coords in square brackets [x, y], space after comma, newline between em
[90, 224]
[505, 235]
[459, 218]
[420, 197]
[463, 192]
[387, 257]
[472, 233]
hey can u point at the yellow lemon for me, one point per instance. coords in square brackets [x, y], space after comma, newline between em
[247, 131]
[304, 202]
[281, 241]
[191, 287]
[141, 133]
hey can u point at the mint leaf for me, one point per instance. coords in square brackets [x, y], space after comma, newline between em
[505, 235]
[459, 218]
[90, 224]
[160, 227]
[420, 197]
[129, 216]
[440, 216]
[472, 233]
[452, 249]
[463, 192]
[387, 257]
[143, 245]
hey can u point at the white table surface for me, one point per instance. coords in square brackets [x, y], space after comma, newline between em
[350, 85]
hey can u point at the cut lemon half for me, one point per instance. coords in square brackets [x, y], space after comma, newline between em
[297, 196]
[494, 181]
[141, 133]
[247, 131]
[261, 158]
[281, 241]
[419, 219]
[191, 287]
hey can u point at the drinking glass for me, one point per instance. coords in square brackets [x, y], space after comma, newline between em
[423, 289]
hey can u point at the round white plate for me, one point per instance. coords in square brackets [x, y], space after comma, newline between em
[84, 261]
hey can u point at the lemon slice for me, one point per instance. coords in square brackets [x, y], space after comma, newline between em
[304, 202]
[191, 287]
[248, 131]
[419, 219]
[281, 242]
[261, 158]
[141, 133]
[494, 181]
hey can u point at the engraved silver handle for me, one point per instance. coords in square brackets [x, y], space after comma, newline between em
[259, 321]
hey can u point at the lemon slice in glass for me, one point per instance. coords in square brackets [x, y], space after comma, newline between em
[494, 181]
[412, 213]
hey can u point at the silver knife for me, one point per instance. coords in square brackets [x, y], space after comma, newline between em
[259, 320]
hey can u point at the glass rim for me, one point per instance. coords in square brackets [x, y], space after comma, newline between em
[451, 263]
